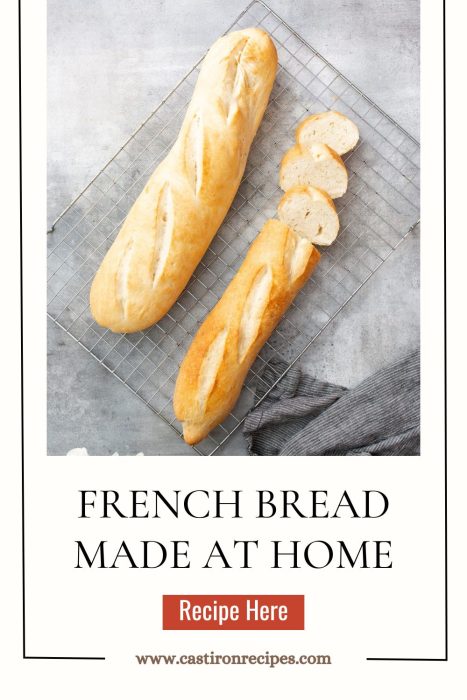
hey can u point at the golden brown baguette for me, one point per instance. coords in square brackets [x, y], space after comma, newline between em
[174, 219]
[275, 268]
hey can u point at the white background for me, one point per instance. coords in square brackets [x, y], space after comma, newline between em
[350, 614]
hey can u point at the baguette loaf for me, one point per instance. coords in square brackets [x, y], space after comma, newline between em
[332, 128]
[174, 219]
[316, 165]
[211, 375]
[311, 213]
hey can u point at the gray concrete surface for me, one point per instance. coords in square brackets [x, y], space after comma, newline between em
[110, 63]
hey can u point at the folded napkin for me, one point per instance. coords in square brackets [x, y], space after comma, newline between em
[305, 416]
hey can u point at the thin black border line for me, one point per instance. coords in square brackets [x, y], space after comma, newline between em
[445, 376]
[446, 626]
[23, 568]
[20, 140]
[103, 658]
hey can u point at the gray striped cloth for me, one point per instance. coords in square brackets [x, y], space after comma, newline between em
[305, 416]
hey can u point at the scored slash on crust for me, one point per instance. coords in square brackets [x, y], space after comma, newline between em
[255, 304]
[209, 370]
[235, 79]
[163, 231]
[122, 277]
[194, 148]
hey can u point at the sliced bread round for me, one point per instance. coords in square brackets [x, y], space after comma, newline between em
[332, 128]
[311, 213]
[316, 165]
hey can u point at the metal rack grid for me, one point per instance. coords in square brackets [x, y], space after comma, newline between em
[378, 211]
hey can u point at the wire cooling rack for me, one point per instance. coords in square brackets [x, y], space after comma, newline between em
[378, 211]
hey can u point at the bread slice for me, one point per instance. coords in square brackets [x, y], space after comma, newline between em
[332, 128]
[316, 165]
[311, 213]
